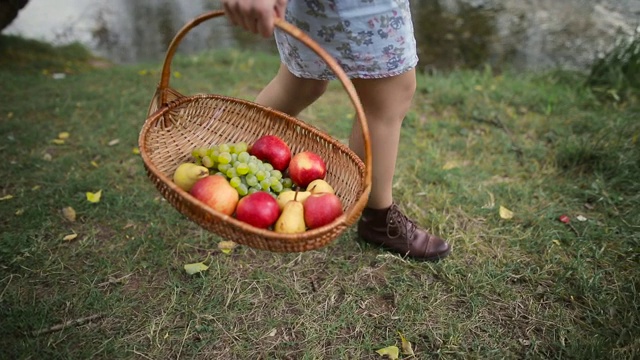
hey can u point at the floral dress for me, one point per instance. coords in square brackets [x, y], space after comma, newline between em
[369, 38]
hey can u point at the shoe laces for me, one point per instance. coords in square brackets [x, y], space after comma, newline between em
[396, 219]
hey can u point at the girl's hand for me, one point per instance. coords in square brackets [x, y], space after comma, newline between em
[256, 16]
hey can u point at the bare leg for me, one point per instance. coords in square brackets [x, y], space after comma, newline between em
[386, 102]
[291, 94]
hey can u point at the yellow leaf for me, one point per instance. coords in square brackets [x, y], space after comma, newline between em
[35, 188]
[94, 197]
[556, 241]
[57, 141]
[70, 237]
[505, 213]
[6, 197]
[94, 164]
[195, 268]
[19, 212]
[227, 246]
[113, 142]
[451, 164]
[135, 151]
[63, 135]
[392, 352]
[176, 74]
[69, 213]
[143, 72]
[407, 349]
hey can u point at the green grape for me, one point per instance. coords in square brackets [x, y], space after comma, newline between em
[257, 187]
[242, 169]
[213, 152]
[195, 153]
[287, 182]
[235, 182]
[265, 184]
[254, 158]
[202, 151]
[241, 147]
[207, 161]
[242, 189]
[231, 173]
[261, 175]
[224, 148]
[219, 173]
[277, 187]
[267, 166]
[253, 190]
[253, 167]
[224, 167]
[273, 181]
[251, 180]
[224, 157]
[232, 148]
[234, 157]
[236, 163]
[276, 174]
[244, 157]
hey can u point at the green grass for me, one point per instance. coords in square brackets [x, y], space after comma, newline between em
[541, 145]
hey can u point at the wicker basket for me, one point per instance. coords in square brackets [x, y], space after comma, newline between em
[177, 124]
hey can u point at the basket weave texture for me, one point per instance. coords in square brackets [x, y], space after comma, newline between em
[177, 124]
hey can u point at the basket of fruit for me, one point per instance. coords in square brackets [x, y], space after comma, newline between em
[249, 173]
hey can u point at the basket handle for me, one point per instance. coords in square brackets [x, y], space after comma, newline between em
[292, 30]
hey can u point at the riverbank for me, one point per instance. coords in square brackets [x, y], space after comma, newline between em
[530, 177]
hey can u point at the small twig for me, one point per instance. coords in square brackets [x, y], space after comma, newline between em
[74, 322]
[114, 280]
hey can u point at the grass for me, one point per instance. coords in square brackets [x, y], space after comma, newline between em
[541, 145]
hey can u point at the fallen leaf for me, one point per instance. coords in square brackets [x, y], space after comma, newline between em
[135, 151]
[69, 213]
[94, 197]
[143, 72]
[505, 213]
[177, 74]
[19, 212]
[58, 141]
[35, 188]
[556, 241]
[70, 237]
[227, 246]
[451, 164]
[392, 352]
[94, 164]
[63, 135]
[407, 348]
[113, 142]
[581, 218]
[6, 197]
[47, 157]
[564, 218]
[195, 268]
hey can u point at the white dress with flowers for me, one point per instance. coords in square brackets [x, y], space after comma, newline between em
[369, 38]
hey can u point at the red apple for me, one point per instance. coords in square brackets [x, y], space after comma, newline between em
[305, 167]
[273, 150]
[259, 209]
[321, 209]
[217, 193]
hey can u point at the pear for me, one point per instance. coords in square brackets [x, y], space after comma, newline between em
[291, 220]
[286, 196]
[319, 186]
[187, 174]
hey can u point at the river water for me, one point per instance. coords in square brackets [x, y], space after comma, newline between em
[522, 34]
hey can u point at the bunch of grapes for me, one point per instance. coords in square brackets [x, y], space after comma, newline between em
[246, 173]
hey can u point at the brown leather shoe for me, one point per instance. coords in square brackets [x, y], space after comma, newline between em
[394, 231]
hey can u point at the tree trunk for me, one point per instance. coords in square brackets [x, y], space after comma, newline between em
[9, 11]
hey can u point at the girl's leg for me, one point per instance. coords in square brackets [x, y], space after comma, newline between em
[386, 102]
[290, 94]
